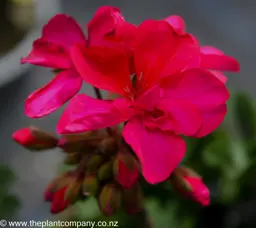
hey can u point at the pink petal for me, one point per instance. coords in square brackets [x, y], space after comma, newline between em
[177, 23]
[203, 90]
[185, 117]
[211, 120]
[158, 152]
[219, 62]
[160, 51]
[148, 100]
[103, 67]
[198, 86]
[122, 37]
[220, 76]
[106, 19]
[56, 93]
[48, 55]
[63, 30]
[211, 50]
[85, 113]
[187, 56]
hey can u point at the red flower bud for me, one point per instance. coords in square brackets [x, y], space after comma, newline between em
[57, 184]
[34, 139]
[187, 182]
[126, 169]
[49, 193]
[59, 203]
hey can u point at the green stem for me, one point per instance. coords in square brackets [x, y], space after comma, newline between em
[99, 96]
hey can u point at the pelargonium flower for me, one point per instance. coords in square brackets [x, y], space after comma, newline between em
[52, 50]
[172, 97]
[211, 57]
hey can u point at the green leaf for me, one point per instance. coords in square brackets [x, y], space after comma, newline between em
[8, 206]
[229, 190]
[217, 152]
[238, 161]
[6, 176]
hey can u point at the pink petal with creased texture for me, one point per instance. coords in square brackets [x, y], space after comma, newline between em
[56, 93]
[211, 120]
[48, 55]
[103, 67]
[64, 31]
[149, 100]
[105, 20]
[85, 113]
[203, 90]
[198, 86]
[158, 152]
[185, 117]
[159, 52]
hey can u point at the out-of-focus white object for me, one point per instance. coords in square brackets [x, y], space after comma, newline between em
[10, 68]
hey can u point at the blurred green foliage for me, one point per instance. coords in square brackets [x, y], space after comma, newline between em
[9, 203]
[226, 160]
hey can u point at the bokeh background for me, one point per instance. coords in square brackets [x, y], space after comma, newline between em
[226, 24]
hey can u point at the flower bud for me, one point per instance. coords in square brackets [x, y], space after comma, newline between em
[110, 199]
[133, 200]
[49, 193]
[106, 171]
[126, 169]
[73, 190]
[77, 142]
[72, 158]
[108, 146]
[57, 184]
[94, 163]
[191, 185]
[90, 185]
[34, 139]
[59, 203]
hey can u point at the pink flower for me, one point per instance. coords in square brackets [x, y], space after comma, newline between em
[211, 57]
[53, 50]
[172, 97]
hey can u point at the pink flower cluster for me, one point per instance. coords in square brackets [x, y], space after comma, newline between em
[168, 86]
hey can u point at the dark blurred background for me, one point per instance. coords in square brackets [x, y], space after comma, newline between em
[226, 24]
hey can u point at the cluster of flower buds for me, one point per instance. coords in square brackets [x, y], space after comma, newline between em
[104, 167]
